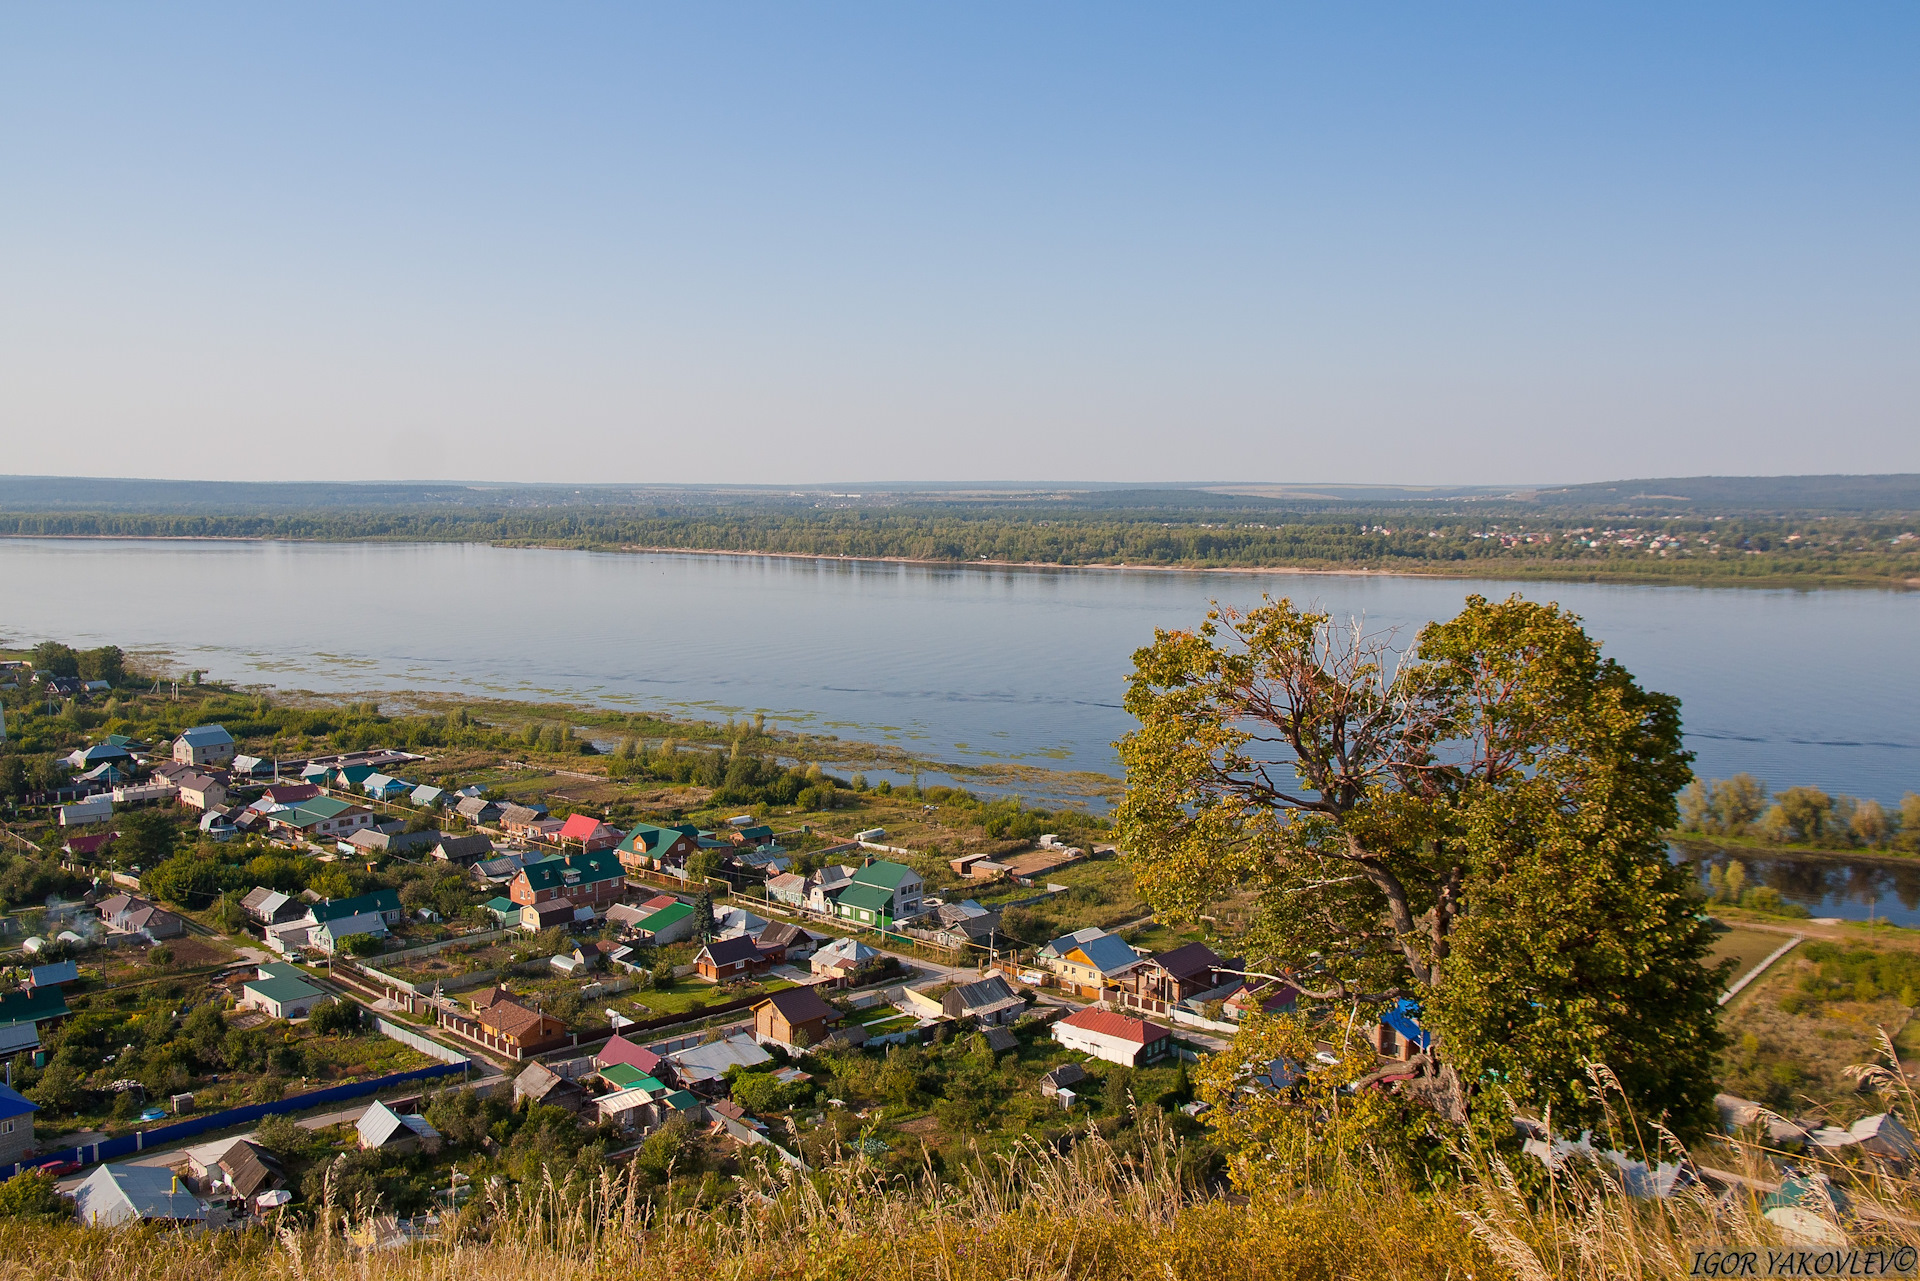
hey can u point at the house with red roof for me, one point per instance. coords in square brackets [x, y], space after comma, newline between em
[1117, 1038]
[588, 832]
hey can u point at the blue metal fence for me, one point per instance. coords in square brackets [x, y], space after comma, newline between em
[128, 1144]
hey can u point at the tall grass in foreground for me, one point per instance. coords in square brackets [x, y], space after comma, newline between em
[1098, 1212]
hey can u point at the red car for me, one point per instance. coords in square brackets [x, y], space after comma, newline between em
[58, 1169]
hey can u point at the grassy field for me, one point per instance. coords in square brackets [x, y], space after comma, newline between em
[1746, 948]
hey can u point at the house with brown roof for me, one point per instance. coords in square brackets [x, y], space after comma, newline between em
[542, 1084]
[502, 1023]
[781, 942]
[793, 1019]
[1186, 973]
[727, 959]
[130, 914]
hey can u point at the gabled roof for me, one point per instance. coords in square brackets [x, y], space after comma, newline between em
[665, 917]
[726, 951]
[475, 806]
[85, 845]
[1001, 1039]
[537, 1081]
[281, 990]
[988, 991]
[883, 873]
[844, 952]
[341, 927]
[1119, 1026]
[40, 1004]
[1403, 1017]
[116, 1194]
[619, 1049]
[1107, 953]
[13, 1103]
[647, 839]
[334, 909]
[207, 736]
[315, 810]
[1191, 961]
[469, 846]
[58, 972]
[875, 898]
[781, 934]
[249, 1168]
[581, 827]
[586, 869]
[381, 1125]
[523, 813]
[626, 1076]
[800, 1005]
[428, 794]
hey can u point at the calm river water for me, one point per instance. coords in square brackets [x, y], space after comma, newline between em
[1820, 688]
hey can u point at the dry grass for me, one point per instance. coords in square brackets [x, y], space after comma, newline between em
[1094, 1214]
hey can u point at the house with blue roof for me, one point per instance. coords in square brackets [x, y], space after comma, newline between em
[16, 1125]
[1089, 960]
[1399, 1035]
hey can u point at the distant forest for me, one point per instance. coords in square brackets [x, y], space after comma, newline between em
[1816, 531]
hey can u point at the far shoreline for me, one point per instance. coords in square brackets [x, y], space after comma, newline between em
[1490, 574]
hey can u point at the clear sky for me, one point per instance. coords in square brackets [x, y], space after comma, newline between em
[800, 242]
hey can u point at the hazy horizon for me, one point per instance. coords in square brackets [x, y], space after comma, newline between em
[776, 245]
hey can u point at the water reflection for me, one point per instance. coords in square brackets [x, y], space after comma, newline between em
[1851, 888]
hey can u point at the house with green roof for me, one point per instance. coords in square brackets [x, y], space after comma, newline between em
[281, 998]
[865, 905]
[902, 884]
[655, 849]
[38, 1006]
[625, 1076]
[384, 902]
[585, 879]
[670, 924]
[321, 817]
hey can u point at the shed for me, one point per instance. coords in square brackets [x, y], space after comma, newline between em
[543, 1085]
[381, 1127]
[282, 998]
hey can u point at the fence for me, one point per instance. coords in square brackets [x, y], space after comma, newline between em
[140, 1141]
[406, 1036]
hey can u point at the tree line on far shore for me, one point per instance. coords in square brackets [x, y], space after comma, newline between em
[1743, 806]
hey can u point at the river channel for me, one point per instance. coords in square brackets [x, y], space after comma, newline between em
[967, 664]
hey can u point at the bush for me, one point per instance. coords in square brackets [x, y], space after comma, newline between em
[336, 1018]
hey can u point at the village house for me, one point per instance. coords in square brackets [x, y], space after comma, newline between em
[281, 997]
[524, 821]
[479, 811]
[670, 924]
[289, 793]
[727, 959]
[589, 833]
[16, 1125]
[384, 1130]
[781, 942]
[130, 914]
[384, 903]
[502, 1023]
[331, 934]
[1117, 1038]
[119, 1194]
[1089, 961]
[789, 888]
[201, 791]
[463, 850]
[844, 962]
[246, 1171]
[1188, 973]
[1276, 998]
[826, 885]
[543, 1085]
[586, 880]
[322, 818]
[204, 745]
[535, 917]
[986, 1002]
[270, 907]
[1398, 1034]
[793, 1019]
[657, 849]
[901, 883]
[619, 1050]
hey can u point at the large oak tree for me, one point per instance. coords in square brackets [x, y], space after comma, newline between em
[1475, 823]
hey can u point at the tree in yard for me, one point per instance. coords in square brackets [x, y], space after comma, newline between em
[336, 1018]
[1476, 825]
[34, 1195]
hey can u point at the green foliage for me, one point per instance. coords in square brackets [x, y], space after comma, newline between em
[1478, 823]
[762, 1092]
[335, 1017]
[34, 1195]
[284, 1138]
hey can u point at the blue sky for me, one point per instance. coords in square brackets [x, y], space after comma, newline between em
[1432, 244]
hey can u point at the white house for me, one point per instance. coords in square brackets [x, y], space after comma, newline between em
[327, 937]
[1117, 1038]
[204, 745]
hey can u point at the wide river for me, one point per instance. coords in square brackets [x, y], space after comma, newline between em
[957, 663]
